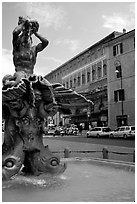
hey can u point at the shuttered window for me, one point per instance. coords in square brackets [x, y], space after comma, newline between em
[118, 49]
[115, 96]
[119, 95]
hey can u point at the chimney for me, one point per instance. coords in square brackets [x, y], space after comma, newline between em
[124, 30]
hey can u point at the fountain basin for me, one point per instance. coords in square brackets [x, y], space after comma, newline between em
[85, 180]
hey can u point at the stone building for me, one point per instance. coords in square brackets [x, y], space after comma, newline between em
[121, 80]
[88, 73]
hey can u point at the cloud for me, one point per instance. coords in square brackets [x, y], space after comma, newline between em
[7, 63]
[46, 64]
[47, 14]
[53, 59]
[118, 21]
[73, 45]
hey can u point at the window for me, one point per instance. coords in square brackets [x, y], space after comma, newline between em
[104, 67]
[102, 51]
[83, 78]
[82, 60]
[96, 54]
[106, 129]
[99, 70]
[88, 57]
[118, 68]
[99, 52]
[91, 56]
[70, 68]
[74, 65]
[127, 128]
[117, 49]
[67, 85]
[121, 120]
[78, 62]
[97, 129]
[133, 128]
[74, 82]
[78, 80]
[70, 83]
[122, 129]
[119, 95]
[88, 77]
[119, 71]
[85, 58]
[93, 72]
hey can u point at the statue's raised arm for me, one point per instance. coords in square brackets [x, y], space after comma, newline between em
[24, 52]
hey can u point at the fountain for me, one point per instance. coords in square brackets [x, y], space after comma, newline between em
[27, 100]
[30, 171]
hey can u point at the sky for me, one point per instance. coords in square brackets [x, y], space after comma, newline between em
[70, 27]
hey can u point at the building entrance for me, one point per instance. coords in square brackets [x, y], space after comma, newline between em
[121, 120]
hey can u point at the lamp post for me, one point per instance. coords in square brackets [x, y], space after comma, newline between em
[88, 116]
[119, 70]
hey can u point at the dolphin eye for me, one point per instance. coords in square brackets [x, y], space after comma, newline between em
[9, 163]
[54, 162]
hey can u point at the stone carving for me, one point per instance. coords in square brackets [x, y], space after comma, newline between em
[26, 100]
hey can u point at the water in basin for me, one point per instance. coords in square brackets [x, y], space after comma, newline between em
[81, 182]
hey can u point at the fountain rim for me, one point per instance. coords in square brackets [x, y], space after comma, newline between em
[127, 166]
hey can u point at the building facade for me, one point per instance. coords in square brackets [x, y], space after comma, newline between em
[121, 80]
[89, 74]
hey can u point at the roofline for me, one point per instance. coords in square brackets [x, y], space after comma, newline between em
[114, 33]
[120, 36]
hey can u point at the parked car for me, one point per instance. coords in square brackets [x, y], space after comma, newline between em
[54, 130]
[123, 131]
[99, 132]
[50, 130]
[59, 131]
[72, 130]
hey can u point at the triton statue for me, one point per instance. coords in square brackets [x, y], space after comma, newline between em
[27, 100]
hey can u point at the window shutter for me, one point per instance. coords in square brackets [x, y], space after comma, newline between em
[115, 96]
[121, 48]
[114, 50]
[123, 94]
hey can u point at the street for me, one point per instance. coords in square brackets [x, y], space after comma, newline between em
[119, 149]
[103, 141]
